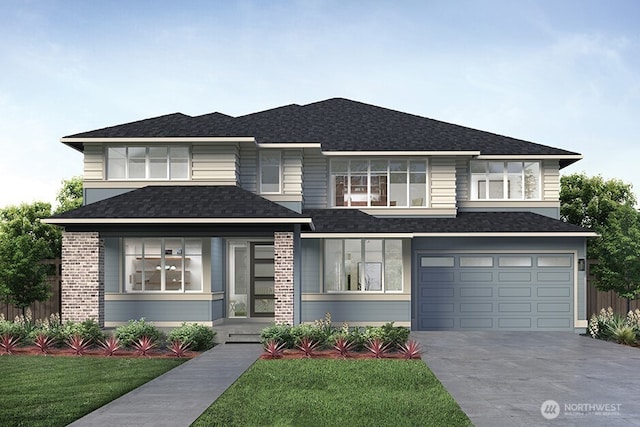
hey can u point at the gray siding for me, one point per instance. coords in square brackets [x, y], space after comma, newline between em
[111, 264]
[315, 180]
[357, 311]
[158, 311]
[249, 167]
[292, 172]
[311, 266]
[217, 309]
[218, 263]
[216, 163]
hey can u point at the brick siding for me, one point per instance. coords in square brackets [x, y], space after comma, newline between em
[283, 263]
[82, 277]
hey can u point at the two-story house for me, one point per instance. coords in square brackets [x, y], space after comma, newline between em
[370, 214]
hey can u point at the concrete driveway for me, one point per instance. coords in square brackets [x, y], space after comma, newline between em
[503, 378]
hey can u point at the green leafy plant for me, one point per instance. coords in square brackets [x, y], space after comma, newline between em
[378, 347]
[310, 332]
[623, 334]
[411, 350]
[135, 329]
[274, 349]
[280, 333]
[307, 346]
[78, 344]
[44, 342]
[9, 343]
[88, 329]
[143, 345]
[179, 348]
[607, 325]
[343, 346]
[198, 337]
[110, 345]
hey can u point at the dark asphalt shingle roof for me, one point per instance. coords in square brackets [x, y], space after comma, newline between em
[182, 202]
[338, 124]
[355, 221]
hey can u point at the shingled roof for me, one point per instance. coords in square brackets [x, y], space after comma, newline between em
[328, 221]
[337, 124]
[183, 203]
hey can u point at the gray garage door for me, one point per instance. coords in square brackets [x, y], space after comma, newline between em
[495, 291]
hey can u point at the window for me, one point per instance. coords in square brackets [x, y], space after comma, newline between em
[514, 261]
[476, 261]
[370, 265]
[163, 265]
[381, 182]
[505, 180]
[437, 261]
[554, 261]
[270, 171]
[157, 163]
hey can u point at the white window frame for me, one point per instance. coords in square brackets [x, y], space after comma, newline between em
[163, 264]
[366, 264]
[476, 178]
[369, 174]
[263, 166]
[147, 174]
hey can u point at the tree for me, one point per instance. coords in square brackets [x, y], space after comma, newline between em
[619, 254]
[588, 201]
[70, 195]
[24, 242]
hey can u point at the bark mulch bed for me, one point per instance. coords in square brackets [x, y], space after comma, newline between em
[32, 350]
[333, 354]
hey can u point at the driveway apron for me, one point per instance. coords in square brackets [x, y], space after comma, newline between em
[536, 378]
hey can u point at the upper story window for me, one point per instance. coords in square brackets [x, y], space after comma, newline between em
[398, 183]
[148, 162]
[505, 180]
[270, 172]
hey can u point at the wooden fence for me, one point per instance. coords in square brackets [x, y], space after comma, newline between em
[42, 310]
[597, 300]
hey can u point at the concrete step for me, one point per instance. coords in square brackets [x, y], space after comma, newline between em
[242, 337]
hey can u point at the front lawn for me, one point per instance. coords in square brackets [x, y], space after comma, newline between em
[54, 391]
[321, 392]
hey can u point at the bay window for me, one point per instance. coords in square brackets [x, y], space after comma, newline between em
[163, 265]
[379, 182]
[363, 265]
[148, 162]
[498, 180]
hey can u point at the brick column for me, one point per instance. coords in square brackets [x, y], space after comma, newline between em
[82, 277]
[283, 263]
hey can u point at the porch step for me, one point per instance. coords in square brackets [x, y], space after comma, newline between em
[243, 337]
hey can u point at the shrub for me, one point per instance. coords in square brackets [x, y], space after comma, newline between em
[280, 333]
[411, 350]
[78, 344]
[273, 349]
[309, 332]
[307, 346]
[110, 345]
[134, 330]
[14, 329]
[143, 345]
[88, 329]
[197, 337]
[378, 347]
[44, 342]
[178, 348]
[9, 343]
[607, 325]
[343, 346]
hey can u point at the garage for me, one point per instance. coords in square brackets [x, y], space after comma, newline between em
[495, 291]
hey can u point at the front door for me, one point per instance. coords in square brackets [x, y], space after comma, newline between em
[261, 280]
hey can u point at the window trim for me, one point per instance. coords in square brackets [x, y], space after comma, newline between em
[366, 263]
[280, 171]
[162, 265]
[488, 178]
[369, 174]
[148, 159]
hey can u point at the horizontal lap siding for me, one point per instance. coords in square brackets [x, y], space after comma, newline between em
[442, 178]
[357, 311]
[249, 167]
[218, 163]
[94, 162]
[159, 311]
[292, 172]
[315, 185]
[550, 180]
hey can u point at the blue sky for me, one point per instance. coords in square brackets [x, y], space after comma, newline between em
[561, 73]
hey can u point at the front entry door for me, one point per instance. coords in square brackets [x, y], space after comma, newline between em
[262, 280]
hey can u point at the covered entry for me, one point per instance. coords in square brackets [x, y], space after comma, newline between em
[504, 291]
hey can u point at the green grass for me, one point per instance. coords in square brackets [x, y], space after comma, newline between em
[54, 391]
[322, 392]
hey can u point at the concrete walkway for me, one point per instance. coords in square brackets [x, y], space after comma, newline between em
[180, 396]
[503, 378]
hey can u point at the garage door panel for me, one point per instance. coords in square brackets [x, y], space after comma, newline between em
[514, 323]
[523, 276]
[476, 323]
[554, 277]
[474, 296]
[554, 292]
[476, 292]
[476, 277]
[518, 292]
[475, 307]
[554, 307]
[514, 307]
